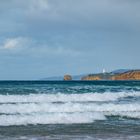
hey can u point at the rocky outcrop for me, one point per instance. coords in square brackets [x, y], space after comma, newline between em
[67, 77]
[90, 78]
[130, 75]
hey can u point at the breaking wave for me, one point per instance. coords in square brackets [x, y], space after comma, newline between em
[61, 97]
[65, 108]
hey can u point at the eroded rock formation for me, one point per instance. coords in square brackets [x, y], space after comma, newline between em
[67, 77]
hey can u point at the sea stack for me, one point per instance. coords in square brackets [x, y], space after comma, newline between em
[67, 77]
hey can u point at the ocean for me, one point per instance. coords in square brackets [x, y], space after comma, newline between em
[69, 110]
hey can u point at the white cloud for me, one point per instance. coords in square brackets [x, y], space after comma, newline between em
[14, 43]
[30, 47]
[11, 43]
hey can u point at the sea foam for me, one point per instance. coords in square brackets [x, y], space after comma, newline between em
[65, 108]
[61, 97]
[57, 118]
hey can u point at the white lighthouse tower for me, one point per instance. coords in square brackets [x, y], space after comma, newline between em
[104, 71]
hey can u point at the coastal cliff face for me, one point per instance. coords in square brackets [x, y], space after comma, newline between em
[91, 78]
[131, 75]
[67, 77]
[99, 76]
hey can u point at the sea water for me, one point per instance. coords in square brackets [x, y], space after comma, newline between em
[87, 110]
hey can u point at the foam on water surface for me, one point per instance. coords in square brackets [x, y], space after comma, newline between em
[63, 108]
[60, 97]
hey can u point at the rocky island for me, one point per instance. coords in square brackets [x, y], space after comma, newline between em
[67, 77]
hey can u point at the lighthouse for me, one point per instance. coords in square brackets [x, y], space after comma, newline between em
[104, 71]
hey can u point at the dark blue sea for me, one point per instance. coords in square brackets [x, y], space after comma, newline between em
[72, 110]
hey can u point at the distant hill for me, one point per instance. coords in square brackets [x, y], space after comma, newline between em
[78, 77]
[119, 71]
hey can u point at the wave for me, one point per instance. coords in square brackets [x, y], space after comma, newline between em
[65, 108]
[62, 118]
[58, 118]
[61, 97]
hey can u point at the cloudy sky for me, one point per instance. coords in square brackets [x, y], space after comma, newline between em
[42, 38]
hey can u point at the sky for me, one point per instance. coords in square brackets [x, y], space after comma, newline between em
[43, 38]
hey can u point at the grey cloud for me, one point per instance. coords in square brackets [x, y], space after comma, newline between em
[49, 14]
[93, 13]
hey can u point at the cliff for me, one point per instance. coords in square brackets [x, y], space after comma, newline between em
[130, 75]
[91, 78]
[99, 76]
